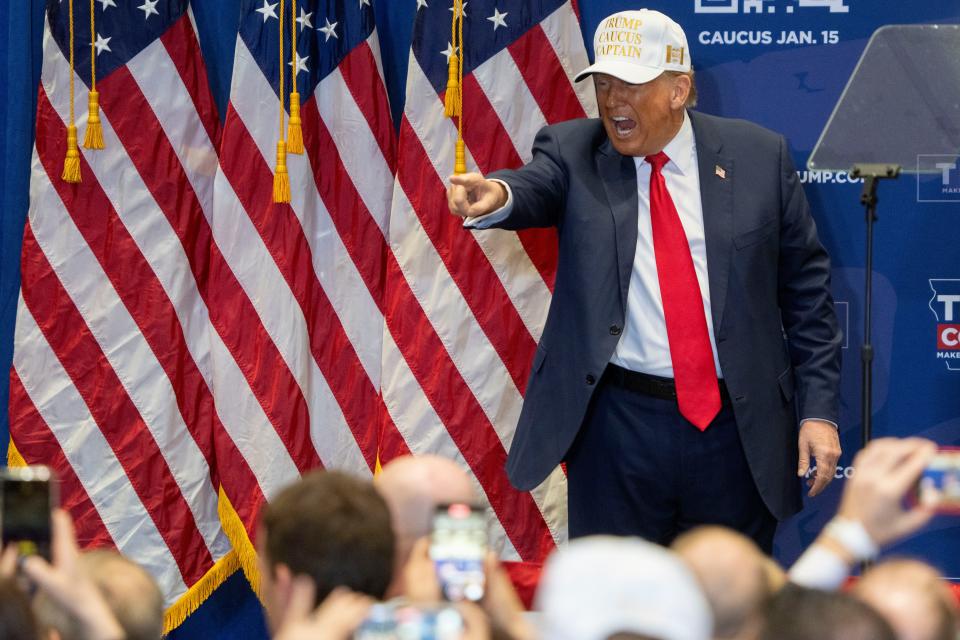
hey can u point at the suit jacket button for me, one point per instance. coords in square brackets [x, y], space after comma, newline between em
[615, 330]
[591, 380]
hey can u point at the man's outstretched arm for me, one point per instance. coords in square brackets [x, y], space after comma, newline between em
[531, 196]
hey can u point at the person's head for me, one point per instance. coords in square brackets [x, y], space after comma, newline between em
[16, 618]
[330, 527]
[603, 587]
[913, 597]
[734, 575]
[797, 613]
[643, 80]
[413, 487]
[130, 592]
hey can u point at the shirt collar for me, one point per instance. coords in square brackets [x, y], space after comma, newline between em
[681, 149]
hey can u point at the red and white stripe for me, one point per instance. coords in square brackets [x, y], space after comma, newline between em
[465, 310]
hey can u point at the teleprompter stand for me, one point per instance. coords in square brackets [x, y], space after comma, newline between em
[871, 174]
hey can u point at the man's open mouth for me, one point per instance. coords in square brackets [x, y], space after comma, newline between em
[623, 125]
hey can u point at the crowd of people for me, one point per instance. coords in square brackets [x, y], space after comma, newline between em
[342, 557]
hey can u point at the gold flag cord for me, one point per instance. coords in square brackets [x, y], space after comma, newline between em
[71, 163]
[93, 139]
[281, 181]
[453, 100]
[294, 131]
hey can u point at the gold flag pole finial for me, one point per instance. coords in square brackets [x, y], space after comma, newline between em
[93, 138]
[294, 130]
[71, 163]
[281, 181]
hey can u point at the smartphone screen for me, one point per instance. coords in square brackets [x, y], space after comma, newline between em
[28, 496]
[403, 621]
[458, 547]
[939, 486]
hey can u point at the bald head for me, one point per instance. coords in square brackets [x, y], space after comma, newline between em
[913, 597]
[413, 486]
[735, 575]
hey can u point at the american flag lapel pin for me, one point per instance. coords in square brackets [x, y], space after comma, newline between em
[721, 172]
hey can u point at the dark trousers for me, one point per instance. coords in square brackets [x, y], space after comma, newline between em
[638, 468]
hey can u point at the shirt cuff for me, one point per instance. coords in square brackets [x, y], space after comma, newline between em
[494, 217]
[819, 568]
[835, 425]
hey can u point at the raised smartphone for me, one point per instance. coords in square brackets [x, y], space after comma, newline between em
[458, 546]
[939, 485]
[28, 496]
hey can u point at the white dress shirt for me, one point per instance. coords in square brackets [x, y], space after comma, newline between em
[643, 344]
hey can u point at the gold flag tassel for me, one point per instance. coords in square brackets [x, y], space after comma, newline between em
[460, 159]
[93, 138]
[281, 180]
[294, 130]
[71, 163]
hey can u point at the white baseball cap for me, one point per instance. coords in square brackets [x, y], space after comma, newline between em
[637, 46]
[602, 585]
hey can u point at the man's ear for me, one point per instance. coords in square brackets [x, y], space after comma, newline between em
[682, 85]
[282, 585]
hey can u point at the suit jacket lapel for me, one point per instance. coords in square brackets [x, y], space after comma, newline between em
[619, 176]
[716, 195]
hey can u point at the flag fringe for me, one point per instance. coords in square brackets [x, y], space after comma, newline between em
[236, 533]
[14, 459]
[200, 591]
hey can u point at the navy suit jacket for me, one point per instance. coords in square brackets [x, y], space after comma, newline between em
[775, 326]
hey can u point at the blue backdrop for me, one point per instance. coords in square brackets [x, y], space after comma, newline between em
[781, 63]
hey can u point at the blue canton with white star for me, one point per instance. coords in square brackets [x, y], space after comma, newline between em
[327, 30]
[124, 29]
[489, 26]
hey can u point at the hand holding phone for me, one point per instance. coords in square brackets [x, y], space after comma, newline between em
[28, 496]
[405, 621]
[458, 547]
[939, 485]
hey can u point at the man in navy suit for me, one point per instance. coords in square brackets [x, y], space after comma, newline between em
[691, 327]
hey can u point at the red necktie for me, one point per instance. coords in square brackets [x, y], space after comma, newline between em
[698, 394]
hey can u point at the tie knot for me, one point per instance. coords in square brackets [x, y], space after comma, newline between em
[657, 160]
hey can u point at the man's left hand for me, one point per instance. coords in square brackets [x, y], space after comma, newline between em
[818, 440]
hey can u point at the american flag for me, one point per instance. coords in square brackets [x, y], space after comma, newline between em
[299, 286]
[112, 376]
[465, 310]
[185, 347]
